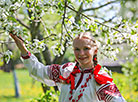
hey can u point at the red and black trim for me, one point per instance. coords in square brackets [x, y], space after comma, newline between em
[107, 92]
[26, 56]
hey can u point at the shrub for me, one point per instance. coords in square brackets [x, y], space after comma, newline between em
[50, 96]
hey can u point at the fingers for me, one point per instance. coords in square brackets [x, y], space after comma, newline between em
[21, 38]
[13, 36]
[16, 38]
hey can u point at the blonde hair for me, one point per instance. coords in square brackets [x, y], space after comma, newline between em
[86, 35]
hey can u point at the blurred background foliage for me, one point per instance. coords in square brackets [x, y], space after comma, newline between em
[48, 28]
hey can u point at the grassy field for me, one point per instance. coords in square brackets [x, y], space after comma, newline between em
[27, 89]
[125, 87]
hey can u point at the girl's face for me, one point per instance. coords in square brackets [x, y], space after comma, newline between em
[84, 51]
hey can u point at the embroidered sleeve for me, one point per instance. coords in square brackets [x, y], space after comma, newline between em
[109, 92]
[63, 70]
[54, 72]
[47, 74]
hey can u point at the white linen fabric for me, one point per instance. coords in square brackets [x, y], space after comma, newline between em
[93, 92]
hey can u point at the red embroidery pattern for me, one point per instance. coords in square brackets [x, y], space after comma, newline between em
[66, 65]
[107, 92]
[55, 72]
[81, 91]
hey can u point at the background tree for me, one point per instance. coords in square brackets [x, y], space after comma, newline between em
[129, 9]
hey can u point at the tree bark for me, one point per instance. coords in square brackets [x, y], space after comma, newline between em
[77, 17]
[16, 85]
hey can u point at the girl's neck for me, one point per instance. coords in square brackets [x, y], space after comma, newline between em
[86, 66]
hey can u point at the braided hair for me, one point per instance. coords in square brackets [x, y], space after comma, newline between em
[95, 59]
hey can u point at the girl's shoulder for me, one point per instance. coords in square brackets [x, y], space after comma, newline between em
[106, 72]
[67, 68]
[67, 65]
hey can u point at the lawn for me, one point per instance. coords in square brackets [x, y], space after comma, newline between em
[125, 87]
[28, 90]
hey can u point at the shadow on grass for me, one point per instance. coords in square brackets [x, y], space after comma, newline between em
[3, 96]
[8, 97]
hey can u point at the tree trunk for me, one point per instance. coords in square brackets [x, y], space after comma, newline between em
[35, 33]
[16, 84]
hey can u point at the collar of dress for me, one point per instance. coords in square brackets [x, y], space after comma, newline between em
[100, 79]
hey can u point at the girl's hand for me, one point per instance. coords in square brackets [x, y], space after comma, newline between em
[19, 43]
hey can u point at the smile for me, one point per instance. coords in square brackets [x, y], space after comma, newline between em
[82, 58]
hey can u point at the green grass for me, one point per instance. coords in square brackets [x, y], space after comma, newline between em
[125, 87]
[28, 90]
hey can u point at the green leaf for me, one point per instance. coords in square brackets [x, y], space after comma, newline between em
[136, 26]
[108, 41]
[48, 30]
[37, 7]
[107, 34]
[27, 5]
[11, 18]
[32, 18]
[133, 32]
[103, 34]
[115, 33]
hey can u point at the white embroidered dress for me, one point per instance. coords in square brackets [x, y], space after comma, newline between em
[92, 93]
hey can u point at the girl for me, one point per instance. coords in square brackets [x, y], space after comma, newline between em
[82, 81]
